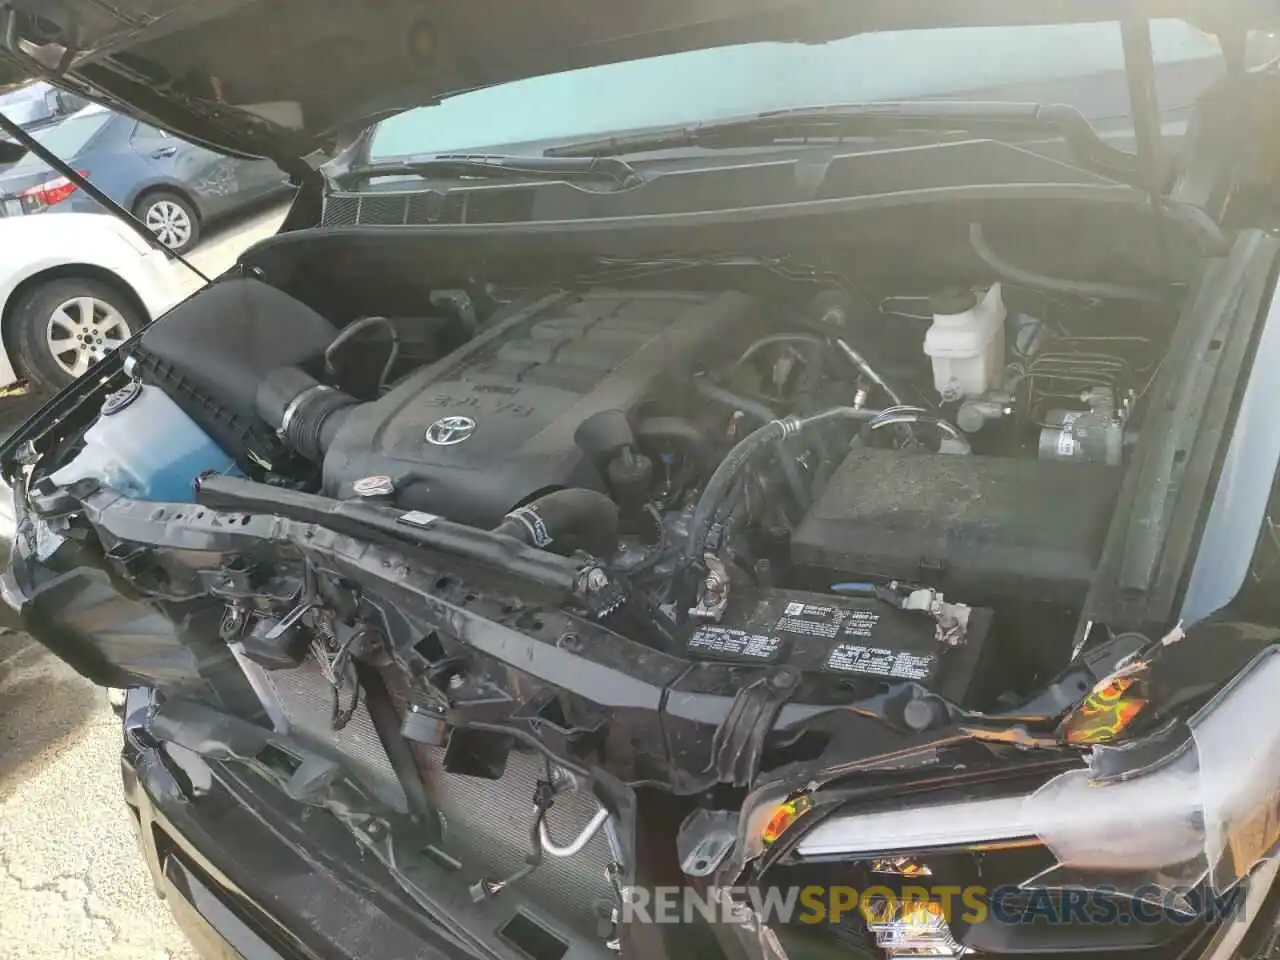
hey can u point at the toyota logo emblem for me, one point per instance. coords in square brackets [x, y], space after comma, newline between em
[448, 431]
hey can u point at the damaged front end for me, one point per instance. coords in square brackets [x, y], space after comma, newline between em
[531, 746]
[532, 780]
[560, 602]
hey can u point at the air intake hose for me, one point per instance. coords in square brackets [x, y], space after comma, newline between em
[303, 411]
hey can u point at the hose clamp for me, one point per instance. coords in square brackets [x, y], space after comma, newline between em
[790, 425]
[296, 404]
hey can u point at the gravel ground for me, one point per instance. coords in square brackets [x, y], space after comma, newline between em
[72, 883]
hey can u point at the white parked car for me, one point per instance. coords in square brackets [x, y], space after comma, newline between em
[73, 288]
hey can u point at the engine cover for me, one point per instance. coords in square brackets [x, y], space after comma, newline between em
[492, 425]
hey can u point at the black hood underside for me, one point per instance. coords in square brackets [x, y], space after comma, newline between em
[287, 78]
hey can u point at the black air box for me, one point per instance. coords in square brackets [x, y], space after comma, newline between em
[981, 527]
[210, 353]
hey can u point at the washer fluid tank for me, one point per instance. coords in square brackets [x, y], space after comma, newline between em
[145, 447]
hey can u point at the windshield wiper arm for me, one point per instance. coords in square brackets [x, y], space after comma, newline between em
[498, 167]
[992, 118]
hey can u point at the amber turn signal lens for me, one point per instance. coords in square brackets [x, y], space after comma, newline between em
[783, 817]
[1105, 713]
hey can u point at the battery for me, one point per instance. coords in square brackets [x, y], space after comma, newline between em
[842, 637]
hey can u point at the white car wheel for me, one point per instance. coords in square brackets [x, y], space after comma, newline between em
[61, 327]
[82, 331]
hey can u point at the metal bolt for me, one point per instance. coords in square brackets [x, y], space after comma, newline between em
[597, 579]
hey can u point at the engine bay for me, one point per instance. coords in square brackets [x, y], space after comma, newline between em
[848, 505]
[929, 457]
[550, 539]
[810, 483]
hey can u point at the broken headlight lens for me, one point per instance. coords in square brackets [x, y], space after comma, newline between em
[1210, 811]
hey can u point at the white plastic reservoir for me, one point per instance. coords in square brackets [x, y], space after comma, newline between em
[966, 342]
[144, 446]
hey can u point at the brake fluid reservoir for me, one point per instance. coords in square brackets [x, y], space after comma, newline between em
[144, 446]
[966, 342]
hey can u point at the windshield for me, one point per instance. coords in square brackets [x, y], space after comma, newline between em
[65, 140]
[1078, 64]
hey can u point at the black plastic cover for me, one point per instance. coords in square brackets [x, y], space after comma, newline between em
[210, 353]
[989, 527]
[521, 390]
[228, 336]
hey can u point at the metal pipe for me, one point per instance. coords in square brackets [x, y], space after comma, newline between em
[859, 361]
[577, 845]
[947, 429]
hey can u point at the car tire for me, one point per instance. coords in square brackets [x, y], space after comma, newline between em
[171, 218]
[60, 328]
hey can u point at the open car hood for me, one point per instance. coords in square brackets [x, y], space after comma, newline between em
[288, 78]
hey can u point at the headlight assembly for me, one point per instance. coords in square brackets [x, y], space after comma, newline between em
[1210, 811]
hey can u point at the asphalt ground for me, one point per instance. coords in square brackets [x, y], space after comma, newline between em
[72, 881]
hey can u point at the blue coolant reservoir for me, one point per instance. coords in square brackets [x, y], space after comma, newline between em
[144, 446]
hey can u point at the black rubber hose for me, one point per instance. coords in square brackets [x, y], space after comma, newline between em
[792, 473]
[1038, 281]
[808, 339]
[657, 549]
[354, 329]
[712, 391]
[722, 480]
[565, 521]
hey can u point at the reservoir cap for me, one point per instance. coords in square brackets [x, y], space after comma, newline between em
[122, 398]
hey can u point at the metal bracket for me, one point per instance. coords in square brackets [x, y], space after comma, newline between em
[713, 597]
[738, 744]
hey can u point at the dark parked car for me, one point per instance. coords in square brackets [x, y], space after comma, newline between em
[774, 489]
[172, 186]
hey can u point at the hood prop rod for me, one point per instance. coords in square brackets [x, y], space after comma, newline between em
[120, 213]
[1144, 106]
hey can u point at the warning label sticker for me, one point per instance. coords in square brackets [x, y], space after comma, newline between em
[738, 644]
[879, 662]
[829, 623]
